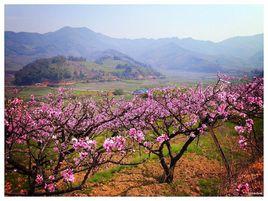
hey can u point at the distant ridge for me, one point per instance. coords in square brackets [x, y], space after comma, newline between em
[241, 53]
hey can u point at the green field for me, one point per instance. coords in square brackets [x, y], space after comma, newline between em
[128, 86]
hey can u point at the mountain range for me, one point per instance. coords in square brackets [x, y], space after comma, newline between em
[241, 53]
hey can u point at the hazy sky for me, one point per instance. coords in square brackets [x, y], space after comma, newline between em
[205, 22]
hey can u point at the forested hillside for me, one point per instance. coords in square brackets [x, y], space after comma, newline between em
[60, 68]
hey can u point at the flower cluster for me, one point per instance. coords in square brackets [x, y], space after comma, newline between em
[242, 142]
[50, 187]
[243, 189]
[245, 129]
[147, 144]
[86, 144]
[136, 135]
[162, 138]
[239, 129]
[222, 110]
[114, 143]
[39, 179]
[16, 101]
[249, 125]
[82, 156]
[202, 128]
[68, 175]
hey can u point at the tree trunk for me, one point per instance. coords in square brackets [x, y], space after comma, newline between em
[167, 176]
[225, 161]
[31, 190]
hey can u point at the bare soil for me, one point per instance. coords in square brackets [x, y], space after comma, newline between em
[253, 175]
[143, 180]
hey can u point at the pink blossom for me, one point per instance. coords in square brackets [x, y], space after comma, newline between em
[136, 135]
[39, 179]
[241, 114]
[51, 177]
[132, 132]
[83, 155]
[109, 144]
[242, 142]
[212, 115]
[239, 129]
[21, 139]
[68, 175]
[6, 122]
[240, 106]
[61, 90]
[221, 110]
[243, 189]
[86, 144]
[204, 126]
[16, 101]
[192, 135]
[162, 138]
[147, 144]
[202, 129]
[222, 96]
[139, 136]
[77, 161]
[114, 143]
[56, 149]
[249, 124]
[50, 187]
[251, 99]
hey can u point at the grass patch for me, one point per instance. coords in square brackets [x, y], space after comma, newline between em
[85, 93]
[258, 128]
[209, 187]
[26, 92]
[106, 175]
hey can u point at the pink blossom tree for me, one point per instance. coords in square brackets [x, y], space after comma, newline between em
[246, 102]
[155, 122]
[49, 142]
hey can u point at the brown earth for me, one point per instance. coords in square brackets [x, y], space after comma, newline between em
[253, 175]
[143, 179]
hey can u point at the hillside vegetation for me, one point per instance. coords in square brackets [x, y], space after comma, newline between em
[60, 68]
